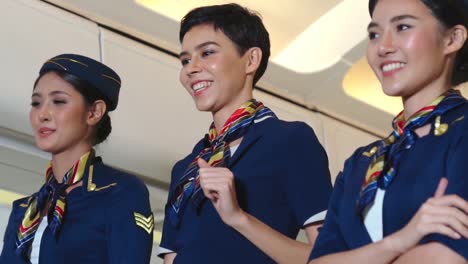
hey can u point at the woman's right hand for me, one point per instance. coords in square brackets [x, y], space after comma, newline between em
[441, 214]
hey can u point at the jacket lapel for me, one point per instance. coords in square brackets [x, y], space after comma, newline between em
[253, 135]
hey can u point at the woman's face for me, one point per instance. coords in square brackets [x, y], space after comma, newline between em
[213, 72]
[406, 47]
[58, 115]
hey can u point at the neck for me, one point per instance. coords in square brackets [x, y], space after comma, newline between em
[434, 88]
[415, 102]
[63, 161]
[222, 115]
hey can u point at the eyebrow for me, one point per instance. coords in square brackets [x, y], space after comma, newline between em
[199, 46]
[36, 94]
[393, 20]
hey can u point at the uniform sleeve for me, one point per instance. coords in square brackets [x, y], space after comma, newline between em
[330, 239]
[7, 241]
[308, 180]
[131, 226]
[457, 175]
[8, 255]
[169, 232]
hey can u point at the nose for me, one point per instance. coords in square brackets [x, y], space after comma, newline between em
[44, 113]
[193, 67]
[386, 44]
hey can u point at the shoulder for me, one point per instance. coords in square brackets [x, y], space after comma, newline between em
[117, 180]
[182, 164]
[22, 202]
[122, 192]
[362, 156]
[18, 210]
[457, 118]
[286, 130]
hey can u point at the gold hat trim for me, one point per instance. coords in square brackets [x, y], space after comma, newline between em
[58, 64]
[72, 60]
[109, 77]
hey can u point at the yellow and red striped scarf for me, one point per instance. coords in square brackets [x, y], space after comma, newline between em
[386, 159]
[217, 153]
[50, 200]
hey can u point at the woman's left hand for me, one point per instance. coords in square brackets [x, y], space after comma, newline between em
[218, 185]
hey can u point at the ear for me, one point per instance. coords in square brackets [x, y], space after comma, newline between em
[95, 112]
[254, 58]
[455, 39]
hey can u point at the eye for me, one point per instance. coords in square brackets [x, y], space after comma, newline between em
[184, 61]
[35, 103]
[207, 53]
[372, 35]
[402, 27]
[59, 101]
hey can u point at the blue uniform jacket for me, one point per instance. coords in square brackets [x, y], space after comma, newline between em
[281, 177]
[108, 220]
[422, 166]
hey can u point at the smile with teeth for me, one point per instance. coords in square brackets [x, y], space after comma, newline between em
[393, 66]
[200, 85]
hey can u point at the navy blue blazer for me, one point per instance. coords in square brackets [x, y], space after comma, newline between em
[281, 177]
[108, 220]
[422, 166]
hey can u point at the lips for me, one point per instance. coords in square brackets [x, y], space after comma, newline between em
[389, 68]
[199, 86]
[45, 131]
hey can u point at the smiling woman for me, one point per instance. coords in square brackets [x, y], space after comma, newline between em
[239, 196]
[86, 212]
[404, 199]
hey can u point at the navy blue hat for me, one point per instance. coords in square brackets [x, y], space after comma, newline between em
[373, 2]
[101, 77]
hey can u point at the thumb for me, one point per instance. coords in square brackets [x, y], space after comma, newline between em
[441, 187]
[202, 163]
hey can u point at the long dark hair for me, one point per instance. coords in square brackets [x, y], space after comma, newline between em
[449, 13]
[90, 95]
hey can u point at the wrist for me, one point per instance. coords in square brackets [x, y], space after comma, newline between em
[238, 220]
[394, 244]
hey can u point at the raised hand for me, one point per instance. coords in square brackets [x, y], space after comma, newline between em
[218, 186]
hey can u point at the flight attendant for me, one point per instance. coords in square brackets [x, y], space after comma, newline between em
[253, 181]
[86, 211]
[403, 199]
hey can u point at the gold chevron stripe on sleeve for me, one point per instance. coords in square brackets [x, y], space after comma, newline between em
[146, 223]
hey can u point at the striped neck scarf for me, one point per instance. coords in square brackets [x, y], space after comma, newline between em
[217, 153]
[384, 165]
[50, 200]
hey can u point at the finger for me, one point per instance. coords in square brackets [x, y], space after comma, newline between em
[216, 173]
[444, 215]
[441, 187]
[212, 197]
[442, 229]
[202, 163]
[212, 172]
[215, 176]
[460, 216]
[450, 201]
[453, 222]
[210, 191]
[222, 188]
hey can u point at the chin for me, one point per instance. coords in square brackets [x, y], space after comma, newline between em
[203, 106]
[392, 90]
[45, 146]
